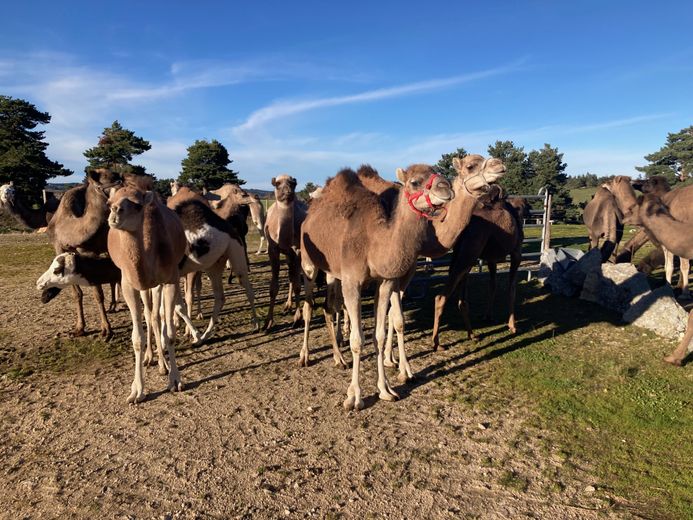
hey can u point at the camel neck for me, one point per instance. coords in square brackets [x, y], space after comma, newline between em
[446, 232]
[136, 257]
[675, 235]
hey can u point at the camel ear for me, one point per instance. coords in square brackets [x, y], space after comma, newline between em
[401, 176]
[60, 269]
[293, 183]
[148, 197]
[457, 164]
[274, 182]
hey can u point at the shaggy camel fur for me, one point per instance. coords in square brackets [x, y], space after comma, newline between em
[349, 235]
[211, 242]
[147, 242]
[680, 204]
[494, 232]
[11, 202]
[282, 229]
[604, 221]
[475, 174]
[79, 225]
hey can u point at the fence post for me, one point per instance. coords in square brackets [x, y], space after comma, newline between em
[546, 230]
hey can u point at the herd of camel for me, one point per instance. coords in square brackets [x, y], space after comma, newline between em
[357, 229]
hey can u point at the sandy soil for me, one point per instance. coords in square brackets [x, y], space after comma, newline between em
[255, 436]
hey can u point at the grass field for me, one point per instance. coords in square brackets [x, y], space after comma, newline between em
[575, 411]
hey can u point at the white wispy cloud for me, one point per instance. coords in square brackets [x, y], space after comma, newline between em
[281, 109]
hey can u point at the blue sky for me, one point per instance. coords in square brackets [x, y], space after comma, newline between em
[306, 88]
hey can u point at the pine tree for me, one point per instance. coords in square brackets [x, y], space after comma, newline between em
[207, 166]
[23, 157]
[444, 165]
[549, 170]
[117, 146]
[674, 160]
[518, 172]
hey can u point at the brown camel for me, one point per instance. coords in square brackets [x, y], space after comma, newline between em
[147, 242]
[657, 185]
[12, 203]
[474, 175]
[79, 226]
[282, 229]
[493, 233]
[680, 204]
[668, 223]
[604, 221]
[349, 235]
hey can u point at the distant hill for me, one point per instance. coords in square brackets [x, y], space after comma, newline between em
[262, 194]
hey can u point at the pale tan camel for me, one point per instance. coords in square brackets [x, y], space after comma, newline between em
[680, 204]
[604, 221]
[79, 226]
[349, 235]
[474, 175]
[282, 229]
[147, 242]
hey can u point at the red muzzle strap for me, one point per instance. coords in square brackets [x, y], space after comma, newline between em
[413, 197]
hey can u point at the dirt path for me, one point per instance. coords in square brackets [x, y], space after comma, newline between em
[254, 435]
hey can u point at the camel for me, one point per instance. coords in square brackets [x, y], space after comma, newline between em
[147, 242]
[493, 233]
[349, 235]
[474, 176]
[282, 229]
[79, 225]
[675, 236]
[679, 203]
[211, 242]
[257, 214]
[12, 203]
[658, 185]
[604, 221]
[72, 269]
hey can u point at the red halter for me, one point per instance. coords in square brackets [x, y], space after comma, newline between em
[413, 197]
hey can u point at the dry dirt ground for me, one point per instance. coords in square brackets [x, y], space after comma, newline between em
[253, 435]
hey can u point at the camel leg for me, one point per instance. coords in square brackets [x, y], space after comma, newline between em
[289, 300]
[262, 243]
[403, 284]
[463, 306]
[397, 321]
[216, 275]
[170, 296]
[668, 265]
[492, 271]
[189, 297]
[352, 301]
[113, 306]
[106, 331]
[273, 252]
[685, 267]
[382, 301]
[79, 326]
[678, 355]
[239, 264]
[455, 276]
[182, 311]
[308, 304]
[515, 260]
[197, 294]
[295, 286]
[331, 317]
[135, 306]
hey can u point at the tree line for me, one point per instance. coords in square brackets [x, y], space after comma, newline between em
[23, 160]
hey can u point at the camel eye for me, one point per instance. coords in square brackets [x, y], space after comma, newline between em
[415, 183]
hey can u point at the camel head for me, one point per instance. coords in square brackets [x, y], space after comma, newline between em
[425, 190]
[232, 191]
[656, 184]
[175, 186]
[127, 208]
[476, 173]
[624, 195]
[61, 273]
[102, 179]
[284, 188]
[7, 194]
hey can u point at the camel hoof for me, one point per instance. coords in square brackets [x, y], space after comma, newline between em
[303, 361]
[77, 333]
[403, 377]
[107, 334]
[350, 403]
[135, 397]
[340, 363]
[388, 396]
[512, 330]
[268, 325]
[389, 363]
[199, 316]
[672, 360]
